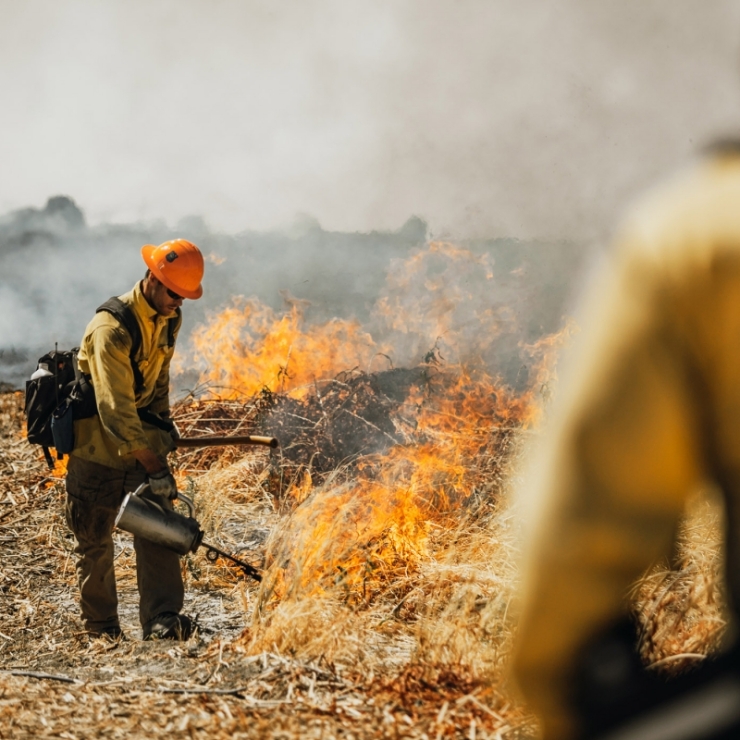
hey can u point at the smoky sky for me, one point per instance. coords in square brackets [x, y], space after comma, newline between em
[486, 118]
[484, 303]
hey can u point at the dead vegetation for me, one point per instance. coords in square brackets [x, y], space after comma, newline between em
[262, 666]
[681, 606]
[389, 553]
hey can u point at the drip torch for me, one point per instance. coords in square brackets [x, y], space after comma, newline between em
[143, 515]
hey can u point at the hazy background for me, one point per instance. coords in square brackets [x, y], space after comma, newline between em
[310, 142]
[483, 117]
[483, 301]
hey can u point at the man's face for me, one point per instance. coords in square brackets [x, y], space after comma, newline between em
[163, 300]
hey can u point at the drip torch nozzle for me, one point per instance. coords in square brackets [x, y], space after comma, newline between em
[213, 554]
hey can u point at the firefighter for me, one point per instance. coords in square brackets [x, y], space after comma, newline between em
[126, 440]
[649, 412]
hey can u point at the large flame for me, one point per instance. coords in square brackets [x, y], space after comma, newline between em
[354, 533]
[248, 346]
[356, 536]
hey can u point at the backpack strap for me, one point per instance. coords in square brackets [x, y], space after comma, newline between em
[49, 459]
[172, 325]
[116, 307]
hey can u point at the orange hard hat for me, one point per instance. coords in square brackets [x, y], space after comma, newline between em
[178, 264]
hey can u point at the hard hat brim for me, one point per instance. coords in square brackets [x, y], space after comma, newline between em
[147, 252]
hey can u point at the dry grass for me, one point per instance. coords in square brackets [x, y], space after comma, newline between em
[420, 653]
[681, 606]
[309, 667]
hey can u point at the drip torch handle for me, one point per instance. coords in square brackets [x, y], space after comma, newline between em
[250, 439]
[188, 502]
[179, 497]
[141, 489]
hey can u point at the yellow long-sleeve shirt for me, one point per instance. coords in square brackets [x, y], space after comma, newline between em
[649, 411]
[116, 431]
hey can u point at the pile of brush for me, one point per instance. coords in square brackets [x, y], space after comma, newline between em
[330, 425]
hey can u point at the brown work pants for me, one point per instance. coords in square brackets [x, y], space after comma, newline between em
[94, 495]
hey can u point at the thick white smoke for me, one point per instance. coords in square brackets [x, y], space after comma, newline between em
[487, 118]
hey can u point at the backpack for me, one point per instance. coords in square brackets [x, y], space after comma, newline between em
[58, 393]
[53, 382]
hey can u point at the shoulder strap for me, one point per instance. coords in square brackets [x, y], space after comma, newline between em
[172, 326]
[116, 307]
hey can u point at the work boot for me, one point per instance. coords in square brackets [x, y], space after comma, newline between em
[113, 634]
[169, 626]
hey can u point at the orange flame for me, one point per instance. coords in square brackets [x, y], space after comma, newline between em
[353, 537]
[58, 473]
[59, 470]
[248, 347]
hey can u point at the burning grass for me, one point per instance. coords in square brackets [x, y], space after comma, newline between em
[383, 525]
[290, 667]
[397, 563]
[371, 480]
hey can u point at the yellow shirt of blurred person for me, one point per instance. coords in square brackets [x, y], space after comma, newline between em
[648, 411]
[109, 437]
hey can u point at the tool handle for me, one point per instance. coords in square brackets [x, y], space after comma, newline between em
[179, 497]
[249, 439]
[188, 502]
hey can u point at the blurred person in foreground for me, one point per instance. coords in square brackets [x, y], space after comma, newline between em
[649, 413]
[126, 440]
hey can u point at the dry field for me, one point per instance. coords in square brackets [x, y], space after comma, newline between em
[408, 650]
[385, 526]
[397, 630]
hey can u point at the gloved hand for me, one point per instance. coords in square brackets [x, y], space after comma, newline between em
[167, 419]
[162, 483]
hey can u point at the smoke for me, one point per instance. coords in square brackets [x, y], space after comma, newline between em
[485, 117]
[55, 270]
[494, 121]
